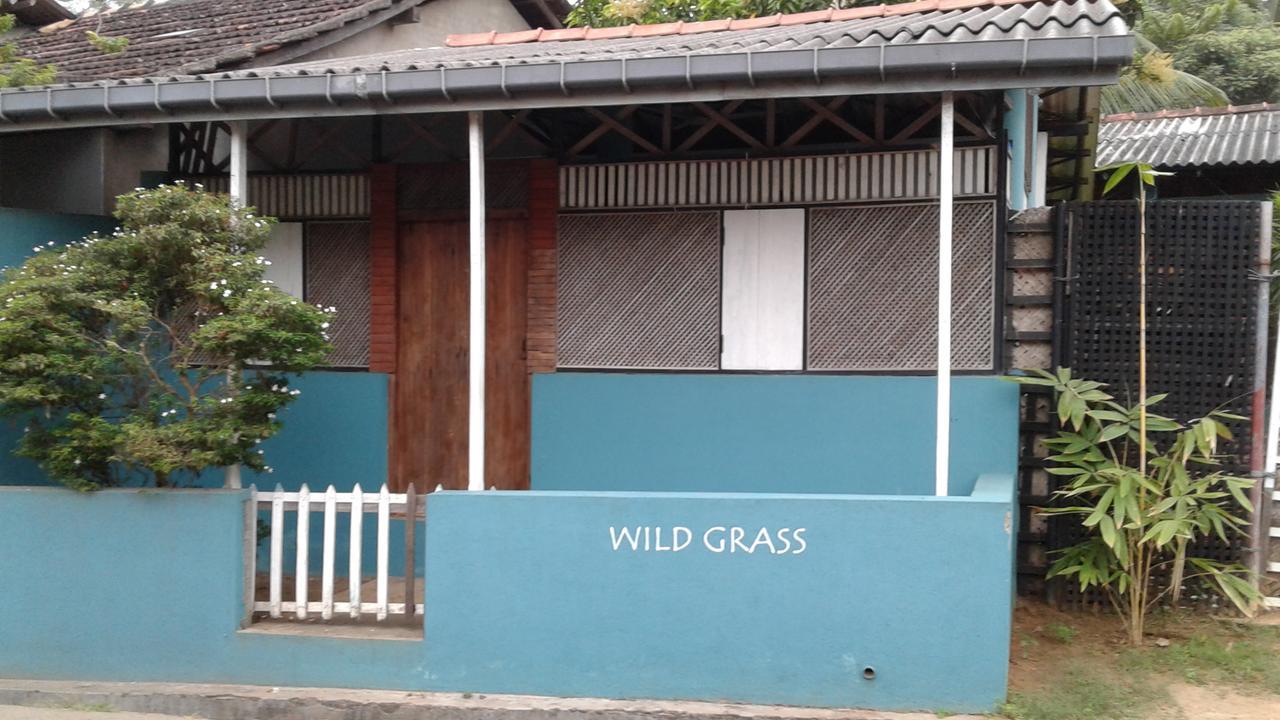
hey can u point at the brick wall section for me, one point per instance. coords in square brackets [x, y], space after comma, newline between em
[544, 205]
[382, 269]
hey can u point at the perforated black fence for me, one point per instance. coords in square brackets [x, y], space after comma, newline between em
[1203, 313]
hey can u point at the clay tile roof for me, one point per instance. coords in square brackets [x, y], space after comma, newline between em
[182, 37]
[756, 23]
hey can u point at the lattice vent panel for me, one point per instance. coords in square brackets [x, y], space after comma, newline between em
[639, 290]
[1202, 312]
[873, 274]
[337, 275]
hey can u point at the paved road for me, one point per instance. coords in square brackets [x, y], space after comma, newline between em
[12, 712]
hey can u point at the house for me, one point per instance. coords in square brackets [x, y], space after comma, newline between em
[201, 36]
[689, 438]
[1212, 152]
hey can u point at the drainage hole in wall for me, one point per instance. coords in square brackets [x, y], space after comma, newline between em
[868, 673]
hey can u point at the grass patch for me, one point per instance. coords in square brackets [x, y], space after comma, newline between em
[1085, 693]
[1075, 666]
[1243, 656]
[1061, 632]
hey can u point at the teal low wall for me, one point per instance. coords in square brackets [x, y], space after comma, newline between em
[765, 433]
[843, 601]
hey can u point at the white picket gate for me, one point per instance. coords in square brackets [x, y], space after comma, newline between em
[357, 503]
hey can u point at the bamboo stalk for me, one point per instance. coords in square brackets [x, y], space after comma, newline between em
[1142, 326]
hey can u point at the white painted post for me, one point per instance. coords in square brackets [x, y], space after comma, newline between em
[475, 433]
[250, 577]
[384, 546]
[946, 199]
[238, 189]
[354, 563]
[304, 539]
[326, 571]
[277, 549]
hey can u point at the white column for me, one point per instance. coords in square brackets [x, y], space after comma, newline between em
[475, 433]
[945, 201]
[238, 189]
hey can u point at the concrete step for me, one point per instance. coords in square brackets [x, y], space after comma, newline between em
[237, 702]
[1273, 567]
[1272, 603]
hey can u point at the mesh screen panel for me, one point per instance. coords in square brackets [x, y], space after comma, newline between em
[337, 274]
[639, 290]
[873, 298]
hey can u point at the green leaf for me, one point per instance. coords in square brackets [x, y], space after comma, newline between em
[1108, 530]
[1111, 432]
[1117, 176]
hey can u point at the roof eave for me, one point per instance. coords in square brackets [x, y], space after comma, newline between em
[919, 67]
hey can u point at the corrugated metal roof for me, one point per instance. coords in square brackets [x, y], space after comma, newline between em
[1203, 136]
[953, 45]
[1028, 20]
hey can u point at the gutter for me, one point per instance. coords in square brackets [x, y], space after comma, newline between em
[282, 92]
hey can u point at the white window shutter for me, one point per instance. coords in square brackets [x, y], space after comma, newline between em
[284, 252]
[762, 318]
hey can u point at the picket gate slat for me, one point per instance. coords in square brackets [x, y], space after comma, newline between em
[277, 551]
[355, 567]
[384, 548]
[356, 504]
[326, 569]
[304, 556]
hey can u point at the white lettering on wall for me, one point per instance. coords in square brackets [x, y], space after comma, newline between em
[718, 539]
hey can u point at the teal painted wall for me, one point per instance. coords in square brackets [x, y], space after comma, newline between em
[20, 231]
[764, 433]
[527, 594]
[127, 585]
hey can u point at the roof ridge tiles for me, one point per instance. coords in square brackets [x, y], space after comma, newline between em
[1197, 111]
[755, 23]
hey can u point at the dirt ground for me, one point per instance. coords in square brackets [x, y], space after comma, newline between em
[1076, 665]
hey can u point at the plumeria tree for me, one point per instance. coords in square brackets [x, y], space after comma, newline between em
[157, 351]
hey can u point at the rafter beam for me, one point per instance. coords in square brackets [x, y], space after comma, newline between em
[917, 125]
[515, 122]
[623, 130]
[826, 113]
[423, 134]
[600, 130]
[721, 118]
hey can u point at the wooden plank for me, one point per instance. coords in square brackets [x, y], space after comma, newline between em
[430, 422]
[507, 400]
[303, 557]
[354, 558]
[277, 551]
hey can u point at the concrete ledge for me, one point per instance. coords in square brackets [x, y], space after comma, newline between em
[252, 702]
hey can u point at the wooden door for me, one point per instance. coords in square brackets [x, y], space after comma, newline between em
[429, 412]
